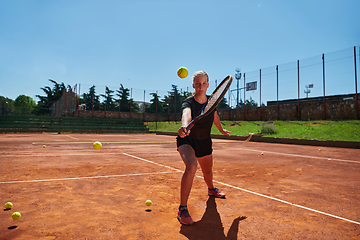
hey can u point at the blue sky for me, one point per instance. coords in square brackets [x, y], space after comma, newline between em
[142, 43]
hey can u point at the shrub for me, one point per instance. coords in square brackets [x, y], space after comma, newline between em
[268, 129]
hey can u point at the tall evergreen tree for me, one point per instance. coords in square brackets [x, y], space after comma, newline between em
[109, 99]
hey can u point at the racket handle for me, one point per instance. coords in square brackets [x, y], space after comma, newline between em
[191, 124]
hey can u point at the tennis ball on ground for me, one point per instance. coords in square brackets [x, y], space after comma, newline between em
[148, 203]
[16, 216]
[182, 72]
[8, 205]
[319, 149]
[44, 146]
[97, 145]
[262, 153]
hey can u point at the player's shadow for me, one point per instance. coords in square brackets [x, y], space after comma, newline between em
[210, 225]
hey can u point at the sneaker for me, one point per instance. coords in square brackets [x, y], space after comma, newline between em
[216, 193]
[184, 217]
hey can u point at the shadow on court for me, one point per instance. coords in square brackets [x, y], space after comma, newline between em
[210, 226]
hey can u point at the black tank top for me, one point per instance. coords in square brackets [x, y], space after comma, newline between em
[202, 128]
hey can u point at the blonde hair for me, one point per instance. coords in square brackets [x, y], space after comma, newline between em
[199, 73]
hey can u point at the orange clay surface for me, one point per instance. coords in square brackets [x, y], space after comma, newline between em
[68, 190]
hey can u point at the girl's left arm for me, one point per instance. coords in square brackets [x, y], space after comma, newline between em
[219, 126]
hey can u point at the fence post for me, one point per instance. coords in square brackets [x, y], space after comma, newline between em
[92, 110]
[144, 108]
[229, 109]
[105, 104]
[119, 103]
[260, 95]
[277, 91]
[298, 72]
[175, 105]
[156, 110]
[356, 94]
[244, 99]
[323, 61]
[168, 115]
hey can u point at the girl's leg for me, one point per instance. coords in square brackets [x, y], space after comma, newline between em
[206, 164]
[187, 154]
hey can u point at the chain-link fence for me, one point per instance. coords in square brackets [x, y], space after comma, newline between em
[322, 78]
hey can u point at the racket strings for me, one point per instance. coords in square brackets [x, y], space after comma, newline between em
[215, 96]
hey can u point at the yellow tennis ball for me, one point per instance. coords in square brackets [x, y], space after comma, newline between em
[8, 205]
[182, 72]
[262, 153]
[16, 216]
[44, 146]
[319, 149]
[97, 145]
[148, 203]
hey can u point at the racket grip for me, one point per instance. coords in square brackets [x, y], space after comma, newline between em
[189, 126]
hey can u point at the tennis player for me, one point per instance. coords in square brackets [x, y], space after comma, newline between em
[195, 146]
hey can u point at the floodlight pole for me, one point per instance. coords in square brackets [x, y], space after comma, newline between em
[238, 77]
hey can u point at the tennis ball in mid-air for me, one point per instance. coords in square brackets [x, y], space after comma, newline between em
[16, 216]
[262, 153]
[8, 205]
[44, 146]
[97, 145]
[182, 72]
[319, 149]
[148, 203]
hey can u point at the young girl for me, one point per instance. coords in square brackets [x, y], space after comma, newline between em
[195, 146]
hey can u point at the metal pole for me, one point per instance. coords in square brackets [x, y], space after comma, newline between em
[237, 92]
[144, 108]
[298, 72]
[92, 104]
[119, 102]
[175, 106]
[156, 110]
[260, 94]
[105, 103]
[229, 108]
[323, 60]
[244, 100]
[356, 94]
[277, 91]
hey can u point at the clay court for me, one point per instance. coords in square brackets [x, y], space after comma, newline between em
[68, 190]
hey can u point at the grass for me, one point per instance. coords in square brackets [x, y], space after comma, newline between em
[315, 130]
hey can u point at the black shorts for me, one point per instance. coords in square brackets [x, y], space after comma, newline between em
[202, 148]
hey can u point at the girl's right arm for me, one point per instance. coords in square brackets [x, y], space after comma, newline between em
[185, 120]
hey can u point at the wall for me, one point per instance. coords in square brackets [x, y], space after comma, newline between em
[336, 109]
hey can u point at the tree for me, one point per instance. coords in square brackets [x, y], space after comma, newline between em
[52, 95]
[223, 104]
[91, 99]
[6, 105]
[124, 94]
[24, 105]
[152, 107]
[109, 100]
[171, 100]
[250, 103]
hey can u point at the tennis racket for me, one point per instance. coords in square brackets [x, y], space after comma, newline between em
[213, 101]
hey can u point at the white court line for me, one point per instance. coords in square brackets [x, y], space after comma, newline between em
[80, 178]
[72, 137]
[298, 155]
[245, 190]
